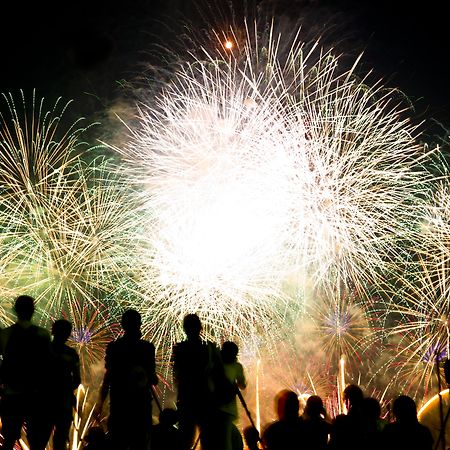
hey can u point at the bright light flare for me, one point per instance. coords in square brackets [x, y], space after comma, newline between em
[262, 165]
[228, 44]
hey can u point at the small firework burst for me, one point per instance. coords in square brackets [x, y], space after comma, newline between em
[94, 326]
[341, 324]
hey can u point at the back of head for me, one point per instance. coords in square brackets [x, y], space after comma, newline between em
[131, 321]
[61, 330]
[288, 405]
[353, 396]
[24, 307]
[314, 406]
[192, 326]
[229, 352]
[404, 409]
[371, 408]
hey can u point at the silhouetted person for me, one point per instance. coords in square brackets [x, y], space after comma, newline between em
[347, 429]
[95, 439]
[234, 373]
[130, 374]
[64, 379]
[287, 429]
[194, 361]
[251, 438]
[406, 432]
[25, 351]
[372, 423]
[315, 428]
[165, 436]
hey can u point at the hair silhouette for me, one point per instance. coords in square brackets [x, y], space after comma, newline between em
[24, 307]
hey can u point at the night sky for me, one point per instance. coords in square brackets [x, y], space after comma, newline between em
[87, 49]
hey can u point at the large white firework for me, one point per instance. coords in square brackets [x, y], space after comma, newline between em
[262, 168]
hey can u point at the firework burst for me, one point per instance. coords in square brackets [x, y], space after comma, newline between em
[66, 236]
[417, 309]
[259, 165]
[418, 326]
[93, 328]
[433, 240]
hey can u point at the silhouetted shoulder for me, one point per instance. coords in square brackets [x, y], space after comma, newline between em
[41, 332]
[31, 332]
[281, 434]
[72, 353]
[411, 437]
[123, 346]
[147, 346]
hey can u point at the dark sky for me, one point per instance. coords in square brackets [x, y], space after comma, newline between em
[82, 49]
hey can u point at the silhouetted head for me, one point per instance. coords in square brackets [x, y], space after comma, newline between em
[168, 417]
[131, 321]
[314, 406]
[229, 352]
[192, 326]
[371, 408]
[61, 330]
[404, 409]
[288, 405]
[251, 437]
[353, 396]
[24, 307]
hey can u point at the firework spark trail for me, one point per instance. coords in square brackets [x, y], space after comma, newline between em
[66, 236]
[33, 146]
[30, 157]
[420, 303]
[258, 166]
[434, 232]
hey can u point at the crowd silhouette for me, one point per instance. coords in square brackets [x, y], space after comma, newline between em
[39, 375]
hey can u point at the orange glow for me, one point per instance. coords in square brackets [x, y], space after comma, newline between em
[429, 415]
[228, 45]
[430, 403]
[340, 382]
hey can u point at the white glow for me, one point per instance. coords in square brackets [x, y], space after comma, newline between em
[256, 170]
